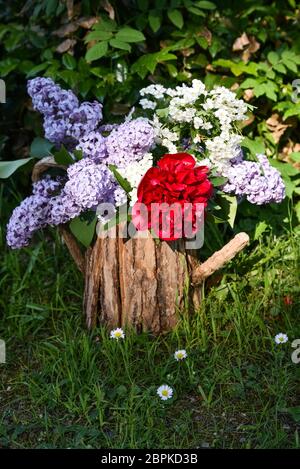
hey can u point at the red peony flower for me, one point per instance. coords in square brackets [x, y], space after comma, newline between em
[172, 193]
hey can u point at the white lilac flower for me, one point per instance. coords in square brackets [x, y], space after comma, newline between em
[179, 110]
[117, 333]
[222, 149]
[169, 145]
[147, 104]
[281, 338]
[135, 172]
[180, 355]
[165, 392]
[157, 91]
[198, 122]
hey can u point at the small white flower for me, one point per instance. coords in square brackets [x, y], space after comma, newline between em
[198, 121]
[147, 104]
[165, 392]
[180, 355]
[117, 334]
[281, 338]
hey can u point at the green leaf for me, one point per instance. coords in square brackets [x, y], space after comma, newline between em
[202, 42]
[260, 229]
[98, 35]
[155, 20]
[122, 181]
[36, 70]
[196, 12]
[83, 230]
[218, 181]
[63, 156]
[256, 146]
[290, 65]
[78, 154]
[237, 68]
[40, 147]
[69, 61]
[249, 83]
[105, 25]
[293, 111]
[286, 169]
[130, 35]
[279, 68]
[96, 52]
[295, 156]
[232, 208]
[7, 168]
[176, 18]
[273, 58]
[120, 44]
[206, 5]
[146, 63]
[290, 55]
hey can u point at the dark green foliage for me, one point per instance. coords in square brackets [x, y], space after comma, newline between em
[108, 50]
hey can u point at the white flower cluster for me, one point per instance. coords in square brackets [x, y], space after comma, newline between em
[164, 136]
[191, 115]
[135, 172]
[222, 149]
[226, 107]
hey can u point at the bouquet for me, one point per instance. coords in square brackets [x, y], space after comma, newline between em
[179, 146]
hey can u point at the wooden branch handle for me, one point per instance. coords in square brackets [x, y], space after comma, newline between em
[42, 165]
[220, 258]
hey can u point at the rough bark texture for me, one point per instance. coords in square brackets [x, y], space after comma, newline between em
[142, 282]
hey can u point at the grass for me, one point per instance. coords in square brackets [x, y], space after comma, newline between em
[64, 387]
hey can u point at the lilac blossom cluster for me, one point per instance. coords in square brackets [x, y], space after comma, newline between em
[32, 214]
[258, 181]
[88, 185]
[65, 119]
[129, 142]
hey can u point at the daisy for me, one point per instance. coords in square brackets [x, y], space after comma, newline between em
[180, 355]
[117, 334]
[281, 338]
[165, 392]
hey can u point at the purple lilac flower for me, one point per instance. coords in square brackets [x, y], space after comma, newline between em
[65, 119]
[32, 214]
[62, 208]
[49, 99]
[26, 219]
[46, 187]
[259, 182]
[84, 119]
[90, 184]
[129, 142]
[93, 146]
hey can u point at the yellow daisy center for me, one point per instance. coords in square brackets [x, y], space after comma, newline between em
[165, 393]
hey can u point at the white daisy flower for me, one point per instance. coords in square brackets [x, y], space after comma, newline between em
[117, 334]
[281, 338]
[180, 355]
[165, 392]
